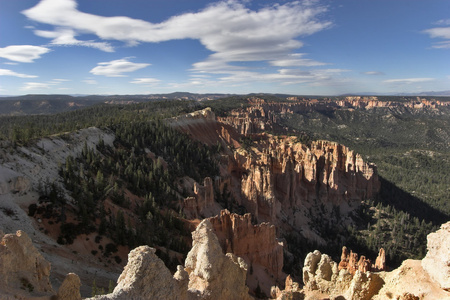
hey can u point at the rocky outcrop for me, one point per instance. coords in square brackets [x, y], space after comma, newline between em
[380, 261]
[414, 279]
[213, 275]
[22, 266]
[202, 204]
[437, 260]
[321, 273]
[208, 273]
[292, 291]
[70, 288]
[410, 281]
[146, 277]
[349, 261]
[13, 182]
[202, 125]
[256, 244]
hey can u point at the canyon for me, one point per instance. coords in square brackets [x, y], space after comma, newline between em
[282, 185]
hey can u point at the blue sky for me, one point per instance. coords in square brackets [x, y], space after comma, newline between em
[162, 46]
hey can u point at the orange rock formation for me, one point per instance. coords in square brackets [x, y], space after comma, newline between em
[256, 244]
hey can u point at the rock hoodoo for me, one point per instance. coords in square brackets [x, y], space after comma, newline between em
[321, 273]
[350, 262]
[256, 244]
[208, 274]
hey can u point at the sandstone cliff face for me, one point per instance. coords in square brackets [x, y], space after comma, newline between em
[286, 178]
[22, 266]
[256, 244]
[437, 260]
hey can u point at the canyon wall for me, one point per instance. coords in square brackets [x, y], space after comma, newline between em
[285, 178]
[278, 179]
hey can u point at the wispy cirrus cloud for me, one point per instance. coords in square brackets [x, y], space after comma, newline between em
[408, 80]
[90, 81]
[23, 53]
[36, 86]
[149, 81]
[116, 68]
[296, 60]
[55, 83]
[6, 72]
[440, 33]
[373, 73]
[66, 37]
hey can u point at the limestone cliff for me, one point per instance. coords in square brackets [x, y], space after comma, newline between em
[256, 244]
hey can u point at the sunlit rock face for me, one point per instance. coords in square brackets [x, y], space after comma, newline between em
[437, 260]
[284, 178]
[256, 244]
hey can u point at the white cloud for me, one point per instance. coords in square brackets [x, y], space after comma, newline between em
[23, 53]
[11, 63]
[373, 73]
[90, 81]
[115, 68]
[441, 33]
[36, 86]
[442, 45]
[408, 80]
[6, 72]
[145, 81]
[233, 32]
[443, 22]
[66, 37]
[295, 60]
